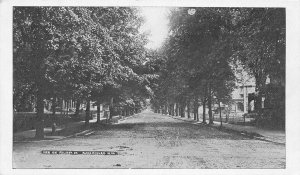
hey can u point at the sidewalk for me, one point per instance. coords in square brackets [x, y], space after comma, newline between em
[29, 135]
[73, 128]
[251, 131]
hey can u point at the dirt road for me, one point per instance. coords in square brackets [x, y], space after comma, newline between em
[150, 140]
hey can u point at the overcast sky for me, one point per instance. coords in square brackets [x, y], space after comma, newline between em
[156, 23]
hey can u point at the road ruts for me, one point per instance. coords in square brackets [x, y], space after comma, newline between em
[150, 140]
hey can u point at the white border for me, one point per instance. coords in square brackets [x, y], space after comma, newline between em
[292, 83]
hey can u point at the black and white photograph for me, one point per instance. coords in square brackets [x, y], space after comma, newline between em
[152, 87]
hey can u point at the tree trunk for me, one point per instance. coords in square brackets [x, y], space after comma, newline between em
[188, 109]
[257, 103]
[77, 108]
[111, 108]
[204, 111]
[195, 113]
[61, 102]
[38, 54]
[195, 109]
[209, 106]
[220, 113]
[176, 109]
[166, 109]
[40, 115]
[98, 113]
[53, 106]
[204, 100]
[172, 109]
[182, 110]
[53, 115]
[87, 113]
[68, 108]
[259, 86]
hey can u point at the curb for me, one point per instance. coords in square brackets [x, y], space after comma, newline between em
[243, 133]
[246, 134]
[88, 131]
[63, 137]
[33, 141]
[57, 139]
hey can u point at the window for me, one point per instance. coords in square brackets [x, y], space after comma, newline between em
[240, 106]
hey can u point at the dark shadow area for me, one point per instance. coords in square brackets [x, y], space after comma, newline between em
[182, 130]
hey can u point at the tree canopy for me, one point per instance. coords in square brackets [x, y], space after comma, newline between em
[79, 53]
[205, 44]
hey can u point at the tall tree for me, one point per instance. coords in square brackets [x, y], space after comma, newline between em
[260, 46]
[196, 42]
[74, 51]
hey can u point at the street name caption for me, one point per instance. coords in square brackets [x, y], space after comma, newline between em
[79, 152]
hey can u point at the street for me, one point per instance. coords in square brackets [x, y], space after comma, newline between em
[149, 140]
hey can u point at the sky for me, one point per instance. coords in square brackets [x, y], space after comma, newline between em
[156, 23]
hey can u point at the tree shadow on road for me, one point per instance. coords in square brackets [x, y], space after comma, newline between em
[180, 129]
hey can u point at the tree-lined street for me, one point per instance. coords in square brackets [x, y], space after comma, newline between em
[149, 140]
[155, 107]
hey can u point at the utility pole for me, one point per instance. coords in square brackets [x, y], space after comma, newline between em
[245, 98]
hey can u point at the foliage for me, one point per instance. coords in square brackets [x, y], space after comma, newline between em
[260, 46]
[203, 47]
[197, 56]
[91, 53]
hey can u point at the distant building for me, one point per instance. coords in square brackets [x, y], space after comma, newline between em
[243, 99]
[244, 95]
